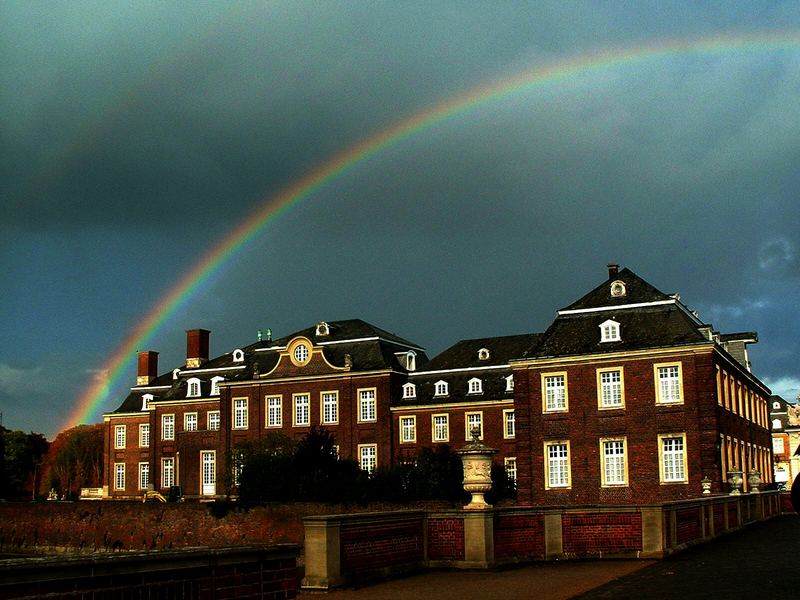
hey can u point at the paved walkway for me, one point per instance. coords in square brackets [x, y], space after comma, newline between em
[760, 561]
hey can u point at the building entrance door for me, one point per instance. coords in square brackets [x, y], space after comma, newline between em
[208, 462]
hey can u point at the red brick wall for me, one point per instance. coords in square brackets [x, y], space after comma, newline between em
[519, 536]
[688, 525]
[445, 539]
[584, 533]
[365, 547]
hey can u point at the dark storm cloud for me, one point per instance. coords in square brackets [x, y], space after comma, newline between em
[134, 136]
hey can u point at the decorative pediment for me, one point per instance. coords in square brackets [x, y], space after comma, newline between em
[302, 358]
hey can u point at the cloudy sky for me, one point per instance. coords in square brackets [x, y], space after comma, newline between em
[136, 135]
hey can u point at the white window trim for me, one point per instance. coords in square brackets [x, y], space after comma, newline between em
[475, 386]
[279, 420]
[193, 387]
[186, 418]
[209, 419]
[603, 479]
[661, 470]
[509, 412]
[322, 418]
[657, 382]
[245, 420]
[446, 438]
[600, 387]
[307, 397]
[365, 402]
[409, 390]
[146, 400]
[119, 484]
[609, 331]
[215, 381]
[120, 437]
[144, 467]
[413, 428]
[443, 386]
[361, 447]
[164, 482]
[510, 383]
[171, 419]
[545, 377]
[238, 355]
[506, 462]
[547, 484]
[467, 432]
[144, 431]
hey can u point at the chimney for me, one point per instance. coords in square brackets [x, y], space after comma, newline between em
[613, 269]
[196, 347]
[148, 367]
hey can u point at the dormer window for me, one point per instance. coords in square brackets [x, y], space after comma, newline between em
[192, 387]
[617, 289]
[238, 356]
[474, 386]
[483, 354]
[776, 406]
[146, 400]
[215, 385]
[609, 331]
[510, 383]
[776, 424]
[323, 329]
[440, 388]
[411, 361]
[175, 374]
[409, 390]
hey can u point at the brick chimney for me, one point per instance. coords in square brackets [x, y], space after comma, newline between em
[148, 367]
[196, 347]
[613, 269]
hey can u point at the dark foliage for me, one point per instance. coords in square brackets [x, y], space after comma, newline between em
[21, 457]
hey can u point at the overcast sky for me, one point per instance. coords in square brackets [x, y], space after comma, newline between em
[136, 135]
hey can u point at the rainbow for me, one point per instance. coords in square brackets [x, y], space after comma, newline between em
[91, 400]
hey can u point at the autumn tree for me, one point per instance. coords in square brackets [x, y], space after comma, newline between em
[75, 460]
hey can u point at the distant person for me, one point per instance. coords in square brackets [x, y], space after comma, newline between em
[796, 494]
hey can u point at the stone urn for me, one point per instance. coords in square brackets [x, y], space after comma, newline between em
[477, 460]
[705, 482]
[735, 481]
[754, 480]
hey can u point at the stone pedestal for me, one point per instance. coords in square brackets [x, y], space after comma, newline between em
[477, 460]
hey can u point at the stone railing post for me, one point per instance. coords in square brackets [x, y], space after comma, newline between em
[322, 553]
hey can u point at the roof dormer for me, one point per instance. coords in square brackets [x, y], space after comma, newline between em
[409, 390]
[475, 386]
[483, 354]
[322, 329]
[618, 289]
[146, 400]
[440, 388]
[193, 387]
[609, 331]
[238, 355]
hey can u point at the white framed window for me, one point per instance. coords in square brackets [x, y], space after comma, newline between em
[238, 356]
[509, 424]
[614, 468]
[240, 419]
[175, 373]
[440, 388]
[609, 331]
[556, 464]
[212, 420]
[510, 463]
[302, 412]
[192, 387]
[617, 288]
[473, 419]
[167, 472]
[409, 390]
[672, 458]
[475, 386]
[301, 353]
[367, 411]
[167, 427]
[274, 411]
[190, 422]
[776, 424]
[215, 385]
[440, 428]
[119, 437]
[411, 360]
[669, 383]
[483, 354]
[330, 408]
[408, 429]
[510, 383]
[554, 392]
[144, 475]
[322, 329]
[778, 446]
[119, 476]
[144, 435]
[610, 388]
[146, 400]
[368, 457]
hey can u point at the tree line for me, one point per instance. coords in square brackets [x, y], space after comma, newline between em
[31, 465]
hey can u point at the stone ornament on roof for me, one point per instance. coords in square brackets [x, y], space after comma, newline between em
[793, 414]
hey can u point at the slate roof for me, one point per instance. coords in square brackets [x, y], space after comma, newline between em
[464, 353]
[636, 290]
[347, 330]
